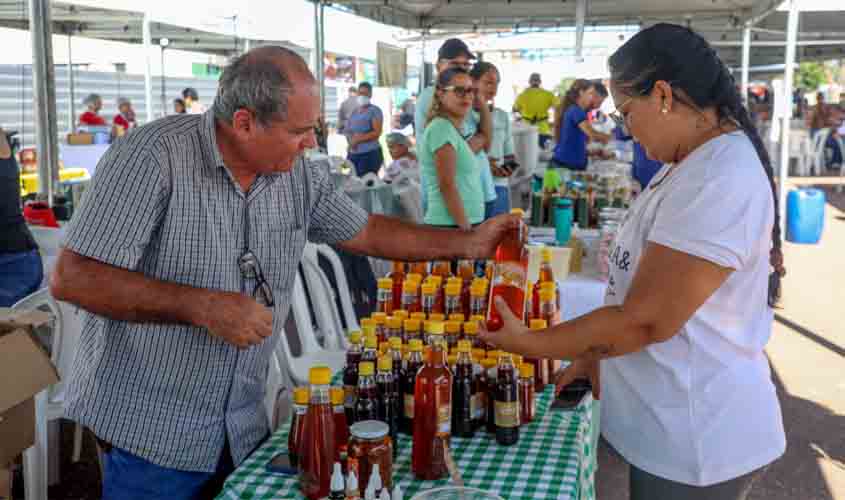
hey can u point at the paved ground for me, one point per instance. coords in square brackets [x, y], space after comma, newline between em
[807, 354]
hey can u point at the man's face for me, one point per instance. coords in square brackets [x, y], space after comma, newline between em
[125, 108]
[535, 82]
[462, 62]
[98, 105]
[365, 92]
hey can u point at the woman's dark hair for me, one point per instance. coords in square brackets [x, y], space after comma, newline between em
[444, 79]
[682, 58]
[570, 99]
[181, 103]
[600, 88]
[481, 68]
[365, 85]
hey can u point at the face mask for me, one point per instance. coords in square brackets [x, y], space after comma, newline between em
[363, 100]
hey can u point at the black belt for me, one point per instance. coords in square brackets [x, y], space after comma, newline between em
[535, 120]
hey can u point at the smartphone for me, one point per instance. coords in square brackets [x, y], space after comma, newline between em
[571, 395]
[280, 464]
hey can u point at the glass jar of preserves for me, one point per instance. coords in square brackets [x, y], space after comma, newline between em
[369, 443]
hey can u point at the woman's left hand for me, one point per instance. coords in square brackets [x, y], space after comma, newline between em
[509, 338]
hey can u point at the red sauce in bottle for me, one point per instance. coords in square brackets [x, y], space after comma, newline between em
[397, 275]
[432, 416]
[297, 424]
[318, 440]
[509, 277]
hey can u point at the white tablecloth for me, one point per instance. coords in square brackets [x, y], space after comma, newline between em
[86, 156]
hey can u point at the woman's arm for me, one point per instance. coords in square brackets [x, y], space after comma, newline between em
[592, 133]
[668, 287]
[370, 136]
[446, 161]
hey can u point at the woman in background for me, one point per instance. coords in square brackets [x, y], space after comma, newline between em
[572, 129]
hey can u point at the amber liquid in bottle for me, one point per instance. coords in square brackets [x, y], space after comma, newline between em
[509, 277]
[529, 305]
[548, 312]
[513, 295]
[442, 268]
[397, 274]
[463, 393]
[408, 387]
[429, 299]
[384, 297]
[350, 379]
[546, 275]
[527, 404]
[507, 404]
[389, 402]
[410, 297]
[466, 271]
[297, 426]
[453, 300]
[341, 426]
[491, 389]
[367, 403]
[432, 417]
[318, 445]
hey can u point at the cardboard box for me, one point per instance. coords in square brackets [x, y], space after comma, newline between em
[80, 139]
[25, 370]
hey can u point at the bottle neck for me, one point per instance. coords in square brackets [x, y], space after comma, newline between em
[366, 381]
[437, 357]
[320, 395]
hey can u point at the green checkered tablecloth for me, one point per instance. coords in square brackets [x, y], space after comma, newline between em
[554, 458]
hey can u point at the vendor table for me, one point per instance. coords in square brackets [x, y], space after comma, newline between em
[82, 156]
[554, 459]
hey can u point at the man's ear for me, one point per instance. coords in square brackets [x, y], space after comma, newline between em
[243, 121]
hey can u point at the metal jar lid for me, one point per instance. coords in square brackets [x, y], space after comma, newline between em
[369, 429]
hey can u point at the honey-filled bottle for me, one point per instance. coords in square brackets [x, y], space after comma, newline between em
[510, 275]
[432, 416]
[507, 402]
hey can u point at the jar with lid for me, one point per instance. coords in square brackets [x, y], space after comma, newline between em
[369, 444]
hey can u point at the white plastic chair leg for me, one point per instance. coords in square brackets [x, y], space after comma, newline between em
[77, 442]
[35, 457]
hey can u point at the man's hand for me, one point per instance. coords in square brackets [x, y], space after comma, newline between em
[236, 318]
[476, 143]
[579, 369]
[486, 237]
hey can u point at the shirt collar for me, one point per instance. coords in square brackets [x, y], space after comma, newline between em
[209, 137]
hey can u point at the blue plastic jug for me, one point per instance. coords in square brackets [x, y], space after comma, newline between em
[805, 215]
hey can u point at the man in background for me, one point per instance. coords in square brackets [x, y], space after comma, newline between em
[125, 117]
[533, 104]
[406, 112]
[192, 101]
[347, 107]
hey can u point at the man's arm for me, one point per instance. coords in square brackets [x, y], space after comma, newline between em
[5, 149]
[130, 296]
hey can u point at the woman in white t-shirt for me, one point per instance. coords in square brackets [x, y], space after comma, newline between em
[686, 390]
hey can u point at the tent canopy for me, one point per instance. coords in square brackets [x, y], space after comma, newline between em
[125, 26]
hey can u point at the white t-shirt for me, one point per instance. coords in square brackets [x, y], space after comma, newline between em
[700, 408]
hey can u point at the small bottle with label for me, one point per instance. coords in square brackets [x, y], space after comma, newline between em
[367, 403]
[453, 299]
[432, 416]
[527, 404]
[380, 320]
[549, 312]
[507, 402]
[464, 400]
[394, 327]
[410, 297]
[384, 298]
[412, 330]
[429, 298]
[388, 399]
[370, 347]
[453, 333]
[350, 374]
[409, 379]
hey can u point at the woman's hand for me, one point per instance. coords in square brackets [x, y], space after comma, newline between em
[579, 369]
[513, 334]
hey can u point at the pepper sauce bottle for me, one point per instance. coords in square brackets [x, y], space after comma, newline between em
[432, 416]
[509, 278]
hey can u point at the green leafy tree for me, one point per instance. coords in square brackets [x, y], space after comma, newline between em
[811, 75]
[563, 86]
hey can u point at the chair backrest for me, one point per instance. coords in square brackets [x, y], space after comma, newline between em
[47, 238]
[819, 139]
[302, 317]
[322, 298]
[278, 384]
[342, 289]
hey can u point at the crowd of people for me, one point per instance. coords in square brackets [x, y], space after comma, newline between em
[830, 119]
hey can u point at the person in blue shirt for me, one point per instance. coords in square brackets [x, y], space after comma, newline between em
[478, 125]
[572, 129]
[363, 129]
[643, 168]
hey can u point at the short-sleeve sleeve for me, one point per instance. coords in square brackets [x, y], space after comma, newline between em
[439, 133]
[122, 207]
[718, 217]
[334, 216]
[576, 115]
[507, 148]
[377, 114]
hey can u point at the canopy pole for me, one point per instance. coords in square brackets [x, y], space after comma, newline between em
[322, 30]
[44, 91]
[70, 83]
[422, 65]
[148, 77]
[746, 61]
[791, 38]
[319, 54]
[580, 19]
[163, 84]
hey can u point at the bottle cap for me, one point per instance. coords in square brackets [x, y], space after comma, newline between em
[452, 359]
[337, 479]
[453, 289]
[478, 290]
[434, 327]
[365, 322]
[516, 359]
[401, 314]
[395, 342]
[538, 324]
[518, 211]
[476, 318]
[488, 363]
[414, 278]
[409, 285]
[355, 337]
[440, 344]
[385, 283]
[383, 347]
[369, 429]
[415, 345]
[385, 364]
[453, 327]
[436, 280]
[455, 280]
[429, 289]
[380, 318]
[459, 317]
[336, 395]
[546, 255]
[464, 346]
[319, 375]
[394, 323]
[494, 354]
[366, 368]
[437, 317]
[479, 354]
[418, 316]
[371, 341]
[301, 395]
[412, 325]
[471, 328]
[547, 295]
[548, 285]
[526, 370]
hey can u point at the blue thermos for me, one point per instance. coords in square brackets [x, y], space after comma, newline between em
[563, 220]
[805, 215]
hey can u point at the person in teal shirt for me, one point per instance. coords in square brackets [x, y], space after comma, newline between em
[477, 126]
[448, 166]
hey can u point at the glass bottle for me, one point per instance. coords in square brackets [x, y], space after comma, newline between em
[442, 268]
[380, 320]
[350, 374]
[507, 402]
[453, 333]
[463, 393]
[297, 423]
[433, 332]
[527, 404]
[453, 299]
[471, 334]
[394, 327]
[479, 401]
[546, 276]
[371, 447]
[549, 313]
[432, 416]
[489, 365]
[410, 299]
[466, 270]
[419, 268]
[341, 425]
[370, 348]
[408, 385]
[541, 366]
[397, 275]
[437, 281]
[429, 298]
[388, 398]
[510, 275]
[395, 353]
[529, 303]
[318, 450]
[367, 403]
[412, 330]
[384, 297]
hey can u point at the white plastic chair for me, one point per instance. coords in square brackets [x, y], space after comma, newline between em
[312, 353]
[277, 400]
[342, 289]
[817, 160]
[38, 472]
[322, 299]
[804, 157]
[842, 166]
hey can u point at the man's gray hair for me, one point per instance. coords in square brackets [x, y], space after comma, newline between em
[91, 99]
[257, 83]
[123, 100]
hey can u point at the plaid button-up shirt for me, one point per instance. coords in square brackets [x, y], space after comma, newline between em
[162, 203]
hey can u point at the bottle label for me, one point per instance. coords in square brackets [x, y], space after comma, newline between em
[409, 406]
[444, 419]
[511, 273]
[349, 396]
[507, 414]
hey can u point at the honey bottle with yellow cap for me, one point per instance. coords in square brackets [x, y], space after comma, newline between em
[297, 423]
[397, 276]
[388, 404]
[318, 441]
[367, 402]
[452, 332]
[384, 297]
[409, 378]
[412, 330]
[463, 393]
[380, 320]
[350, 374]
[429, 298]
[410, 297]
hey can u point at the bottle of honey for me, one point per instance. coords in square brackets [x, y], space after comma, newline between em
[429, 298]
[434, 332]
[388, 399]
[394, 327]
[318, 449]
[410, 299]
[395, 354]
[548, 312]
[432, 416]
[408, 385]
[509, 278]
[350, 374]
[419, 268]
[384, 297]
[527, 405]
[442, 268]
[453, 299]
[297, 423]
[488, 366]
[471, 335]
[477, 300]
[367, 402]
[397, 275]
[437, 281]
[541, 366]
[412, 330]
[341, 425]
[479, 401]
[546, 275]
[370, 348]
[466, 270]
[507, 402]
[463, 393]
[439, 317]
[380, 320]
[452, 331]
[555, 301]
